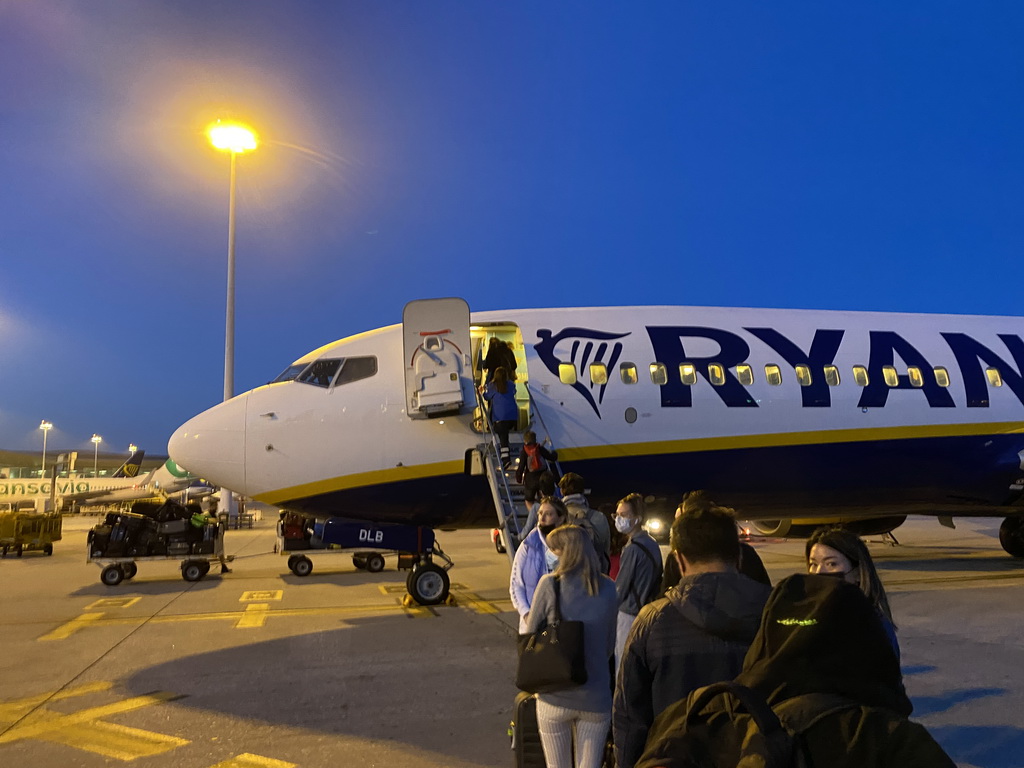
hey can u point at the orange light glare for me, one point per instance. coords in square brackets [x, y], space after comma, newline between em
[231, 137]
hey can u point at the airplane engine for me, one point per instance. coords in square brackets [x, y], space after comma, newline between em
[1011, 536]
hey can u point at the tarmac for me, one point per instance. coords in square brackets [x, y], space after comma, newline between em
[261, 668]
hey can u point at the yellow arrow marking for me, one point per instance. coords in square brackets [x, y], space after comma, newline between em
[255, 615]
[247, 760]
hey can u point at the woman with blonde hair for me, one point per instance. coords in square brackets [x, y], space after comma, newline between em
[581, 714]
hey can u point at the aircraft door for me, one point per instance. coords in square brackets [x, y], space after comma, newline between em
[436, 344]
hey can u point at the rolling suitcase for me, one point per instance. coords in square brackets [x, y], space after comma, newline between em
[525, 736]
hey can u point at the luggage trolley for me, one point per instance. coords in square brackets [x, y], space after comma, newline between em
[25, 530]
[129, 538]
[368, 543]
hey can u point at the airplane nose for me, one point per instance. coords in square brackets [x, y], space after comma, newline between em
[212, 444]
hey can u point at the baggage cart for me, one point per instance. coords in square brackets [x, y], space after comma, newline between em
[194, 565]
[368, 543]
[24, 530]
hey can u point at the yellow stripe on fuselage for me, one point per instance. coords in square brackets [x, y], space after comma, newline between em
[657, 448]
[784, 439]
[362, 479]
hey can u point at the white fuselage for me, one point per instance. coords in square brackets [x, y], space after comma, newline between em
[925, 428]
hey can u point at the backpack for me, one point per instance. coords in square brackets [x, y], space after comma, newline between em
[739, 728]
[654, 591]
[534, 461]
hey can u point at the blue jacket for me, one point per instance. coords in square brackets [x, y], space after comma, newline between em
[527, 568]
[503, 406]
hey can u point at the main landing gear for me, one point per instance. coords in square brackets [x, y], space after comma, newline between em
[1011, 536]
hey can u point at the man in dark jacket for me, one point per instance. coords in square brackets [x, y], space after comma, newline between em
[696, 635]
[823, 662]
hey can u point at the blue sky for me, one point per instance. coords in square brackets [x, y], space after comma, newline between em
[825, 155]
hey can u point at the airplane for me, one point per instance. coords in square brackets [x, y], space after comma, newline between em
[166, 481]
[788, 416]
[70, 489]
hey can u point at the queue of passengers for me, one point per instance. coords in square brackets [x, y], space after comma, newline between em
[819, 650]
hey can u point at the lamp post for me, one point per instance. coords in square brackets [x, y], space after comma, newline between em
[46, 427]
[233, 138]
[96, 440]
[132, 448]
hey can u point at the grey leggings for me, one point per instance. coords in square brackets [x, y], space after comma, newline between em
[556, 735]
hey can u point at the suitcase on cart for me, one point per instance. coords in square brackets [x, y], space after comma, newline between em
[526, 746]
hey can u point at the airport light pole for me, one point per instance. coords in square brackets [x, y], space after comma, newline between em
[96, 440]
[235, 139]
[46, 427]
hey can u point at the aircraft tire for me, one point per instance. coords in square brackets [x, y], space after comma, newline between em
[130, 569]
[375, 562]
[112, 575]
[303, 566]
[779, 528]
[192, 570]
[428, 584]
[1011, 536]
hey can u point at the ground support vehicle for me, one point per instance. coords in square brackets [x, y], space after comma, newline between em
[157, 531]
[22, 530]
[368, 544]
[194, 566]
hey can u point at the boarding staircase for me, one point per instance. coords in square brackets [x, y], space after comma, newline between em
[509, 502]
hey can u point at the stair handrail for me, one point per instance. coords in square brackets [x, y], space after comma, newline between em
[535, 411]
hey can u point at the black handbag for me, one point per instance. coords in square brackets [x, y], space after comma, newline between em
[551, 659]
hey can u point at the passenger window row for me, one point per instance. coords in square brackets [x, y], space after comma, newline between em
[659, 373]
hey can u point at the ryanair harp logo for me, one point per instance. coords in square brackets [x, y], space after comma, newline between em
[581, 348]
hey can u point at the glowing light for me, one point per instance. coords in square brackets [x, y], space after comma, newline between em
[231, 137]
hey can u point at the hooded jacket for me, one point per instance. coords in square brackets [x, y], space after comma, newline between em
[820, 639]
[696, 635]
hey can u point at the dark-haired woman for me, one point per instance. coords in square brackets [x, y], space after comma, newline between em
[841, 553]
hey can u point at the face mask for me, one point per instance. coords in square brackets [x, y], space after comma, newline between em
[546, 529]
[834, 574]
[551, 560]
[624, 525]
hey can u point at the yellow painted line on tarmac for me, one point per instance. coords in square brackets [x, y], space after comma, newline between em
[12, 711]
[52, 723]
[119, 742]
[254, 615]
[66, 630]
[264, 594]
[113, 602]
[478, 604]
[96, 620]
[248, 760]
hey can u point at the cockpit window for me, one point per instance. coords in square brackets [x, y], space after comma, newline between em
[290, 373]
[320, 373]
[356, 368]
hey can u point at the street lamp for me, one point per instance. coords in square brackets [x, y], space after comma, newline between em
[233, 138]
[46, 427]
[132, 448]
[96, 440]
